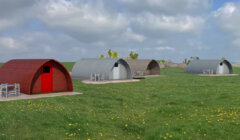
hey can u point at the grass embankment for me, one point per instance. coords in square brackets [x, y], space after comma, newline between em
[68, 65]
[174, 106]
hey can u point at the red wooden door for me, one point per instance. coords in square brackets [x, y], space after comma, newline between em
[46, 79]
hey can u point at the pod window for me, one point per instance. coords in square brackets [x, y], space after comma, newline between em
[116, 65]
[46, 69]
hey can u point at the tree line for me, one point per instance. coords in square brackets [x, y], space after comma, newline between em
[114, 54]
[132, 55]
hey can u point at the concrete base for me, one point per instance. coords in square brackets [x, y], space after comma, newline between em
[108, 82]
[146, 76]
[218, 74]
[45, 95]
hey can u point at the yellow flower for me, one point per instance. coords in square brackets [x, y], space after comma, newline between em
[70, 124]
[184, 132]
[165, 138]
[170, 136]
[71, 134]
[101, 134]
[204, 134]
[126, 125]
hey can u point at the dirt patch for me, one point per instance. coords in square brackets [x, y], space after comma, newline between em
[26, 96]
[147, 76]
[218, 74]
[108, 82]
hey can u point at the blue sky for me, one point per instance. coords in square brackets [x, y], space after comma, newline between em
[159, 29]
[219, 3]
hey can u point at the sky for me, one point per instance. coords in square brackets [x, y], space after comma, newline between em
[68, 30]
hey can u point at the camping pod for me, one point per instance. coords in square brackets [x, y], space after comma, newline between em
[36, 75]
[210, 67]
[111, 69]
[147, 67]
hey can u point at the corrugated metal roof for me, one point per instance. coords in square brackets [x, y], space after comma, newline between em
[198, 66]
[84, 67]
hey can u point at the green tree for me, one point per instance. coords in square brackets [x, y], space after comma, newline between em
[223, 58]
[133, 55]
[110, 53]
[101, 56]
[162, 61]
[114, 54]
[194, 58]
[186, 61]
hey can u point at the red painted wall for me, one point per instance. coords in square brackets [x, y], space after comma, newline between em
[60, 81]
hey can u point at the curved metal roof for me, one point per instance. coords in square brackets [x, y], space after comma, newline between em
[84, 67]
[198, 66]
[22, 71]
[142, 65]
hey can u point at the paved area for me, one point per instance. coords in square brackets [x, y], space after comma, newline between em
[154, 76]
[218, 74]
[108, 82]
[46, 95]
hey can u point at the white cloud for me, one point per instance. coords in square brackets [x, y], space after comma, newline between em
[6, 23]
[236, 42]
[130, 35]
[87, 28]
[85, 21]
[15, 13]
[227, 18]
[168, 6]
[8, 43]
[172, 24]
[164, 48]
[228, 10]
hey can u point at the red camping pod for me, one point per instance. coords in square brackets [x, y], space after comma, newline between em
[36, 75]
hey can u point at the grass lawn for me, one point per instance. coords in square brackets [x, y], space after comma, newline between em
[68, 65]
[174, 106]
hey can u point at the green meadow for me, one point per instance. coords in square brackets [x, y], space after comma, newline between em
[174, 106]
